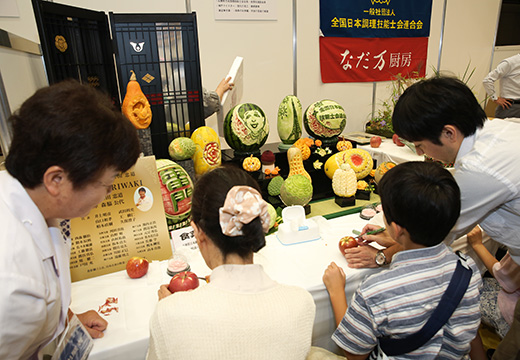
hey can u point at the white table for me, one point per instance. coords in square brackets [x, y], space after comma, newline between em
[388, 151]
[300, 264]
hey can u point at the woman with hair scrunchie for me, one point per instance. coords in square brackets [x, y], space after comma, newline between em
[242, 313]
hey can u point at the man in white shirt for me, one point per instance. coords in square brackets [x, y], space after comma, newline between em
[144, 203]
[444, 120]
[508, 72]
[68, 144]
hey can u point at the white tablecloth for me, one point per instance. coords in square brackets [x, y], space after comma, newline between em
[388, 151]
[300, 264]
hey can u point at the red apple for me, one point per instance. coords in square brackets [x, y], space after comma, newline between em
[137, 267]
[183, 281]
[375, 141]
[396, 140]
[347, 242]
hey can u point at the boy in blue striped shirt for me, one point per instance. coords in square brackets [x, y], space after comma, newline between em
[421, 203]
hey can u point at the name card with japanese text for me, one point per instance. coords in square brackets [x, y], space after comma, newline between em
[129, 222]
[184, 239]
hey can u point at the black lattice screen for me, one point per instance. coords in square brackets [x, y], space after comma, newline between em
[162, 49]
[76, 44]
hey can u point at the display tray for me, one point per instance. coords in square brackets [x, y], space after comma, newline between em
[330, 210]
[321, 184]
[360, 138]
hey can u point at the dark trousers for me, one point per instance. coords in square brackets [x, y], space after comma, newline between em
[509, 347]
[512, 112]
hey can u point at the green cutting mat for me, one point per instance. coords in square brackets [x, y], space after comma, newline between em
[330, 210]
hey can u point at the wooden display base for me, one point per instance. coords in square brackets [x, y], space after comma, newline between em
[345, 201]
[363, 195]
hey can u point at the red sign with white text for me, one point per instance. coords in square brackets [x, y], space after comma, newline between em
[371, 59]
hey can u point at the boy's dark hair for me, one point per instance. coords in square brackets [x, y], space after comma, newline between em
[142, 189]
[423, 198]
[209, 196]
[426, 107]
[73, 126]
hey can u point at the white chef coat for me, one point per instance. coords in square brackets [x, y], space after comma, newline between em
[34, 275]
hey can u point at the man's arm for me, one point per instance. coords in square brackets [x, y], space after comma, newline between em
[489, 81]
[364, 256]
[481, 194]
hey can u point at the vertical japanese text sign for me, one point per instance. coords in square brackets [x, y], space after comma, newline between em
[373, 40]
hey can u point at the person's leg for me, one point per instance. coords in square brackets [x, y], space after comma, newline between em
[477, 349]
[509, 347]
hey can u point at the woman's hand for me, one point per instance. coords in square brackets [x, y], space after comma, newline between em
[163, 292]
[93, 322]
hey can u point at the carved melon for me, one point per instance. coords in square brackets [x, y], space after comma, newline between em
[359, 160]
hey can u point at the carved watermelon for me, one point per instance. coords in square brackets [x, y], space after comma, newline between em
[290, 119]
[246, 128]
[324, 119]
[176, 190]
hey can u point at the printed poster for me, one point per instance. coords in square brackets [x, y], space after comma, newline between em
[129, 222]
[375, 59]
[375, 18]
[373, 40]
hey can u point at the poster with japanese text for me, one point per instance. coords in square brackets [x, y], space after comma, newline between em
[373, 40]
[129, 222]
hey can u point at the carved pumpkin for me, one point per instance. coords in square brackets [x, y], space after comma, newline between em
[343, 145]
[135, 104]
[251, 164]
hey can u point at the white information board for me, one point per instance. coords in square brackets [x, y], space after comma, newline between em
[245, 9]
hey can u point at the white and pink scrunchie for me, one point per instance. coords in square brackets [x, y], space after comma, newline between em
[243, 204]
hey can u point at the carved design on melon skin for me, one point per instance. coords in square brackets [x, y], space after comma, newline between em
[325, 119]
[211, 153]
[359, 160]
[246, 127]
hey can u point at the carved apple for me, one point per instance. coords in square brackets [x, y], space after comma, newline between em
[137, 267]
[183, 281]
[375, 141]
[396, 140]
[346, 243]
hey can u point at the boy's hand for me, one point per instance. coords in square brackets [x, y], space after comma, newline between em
[381, 238]
[475, 236]
[334, 279]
